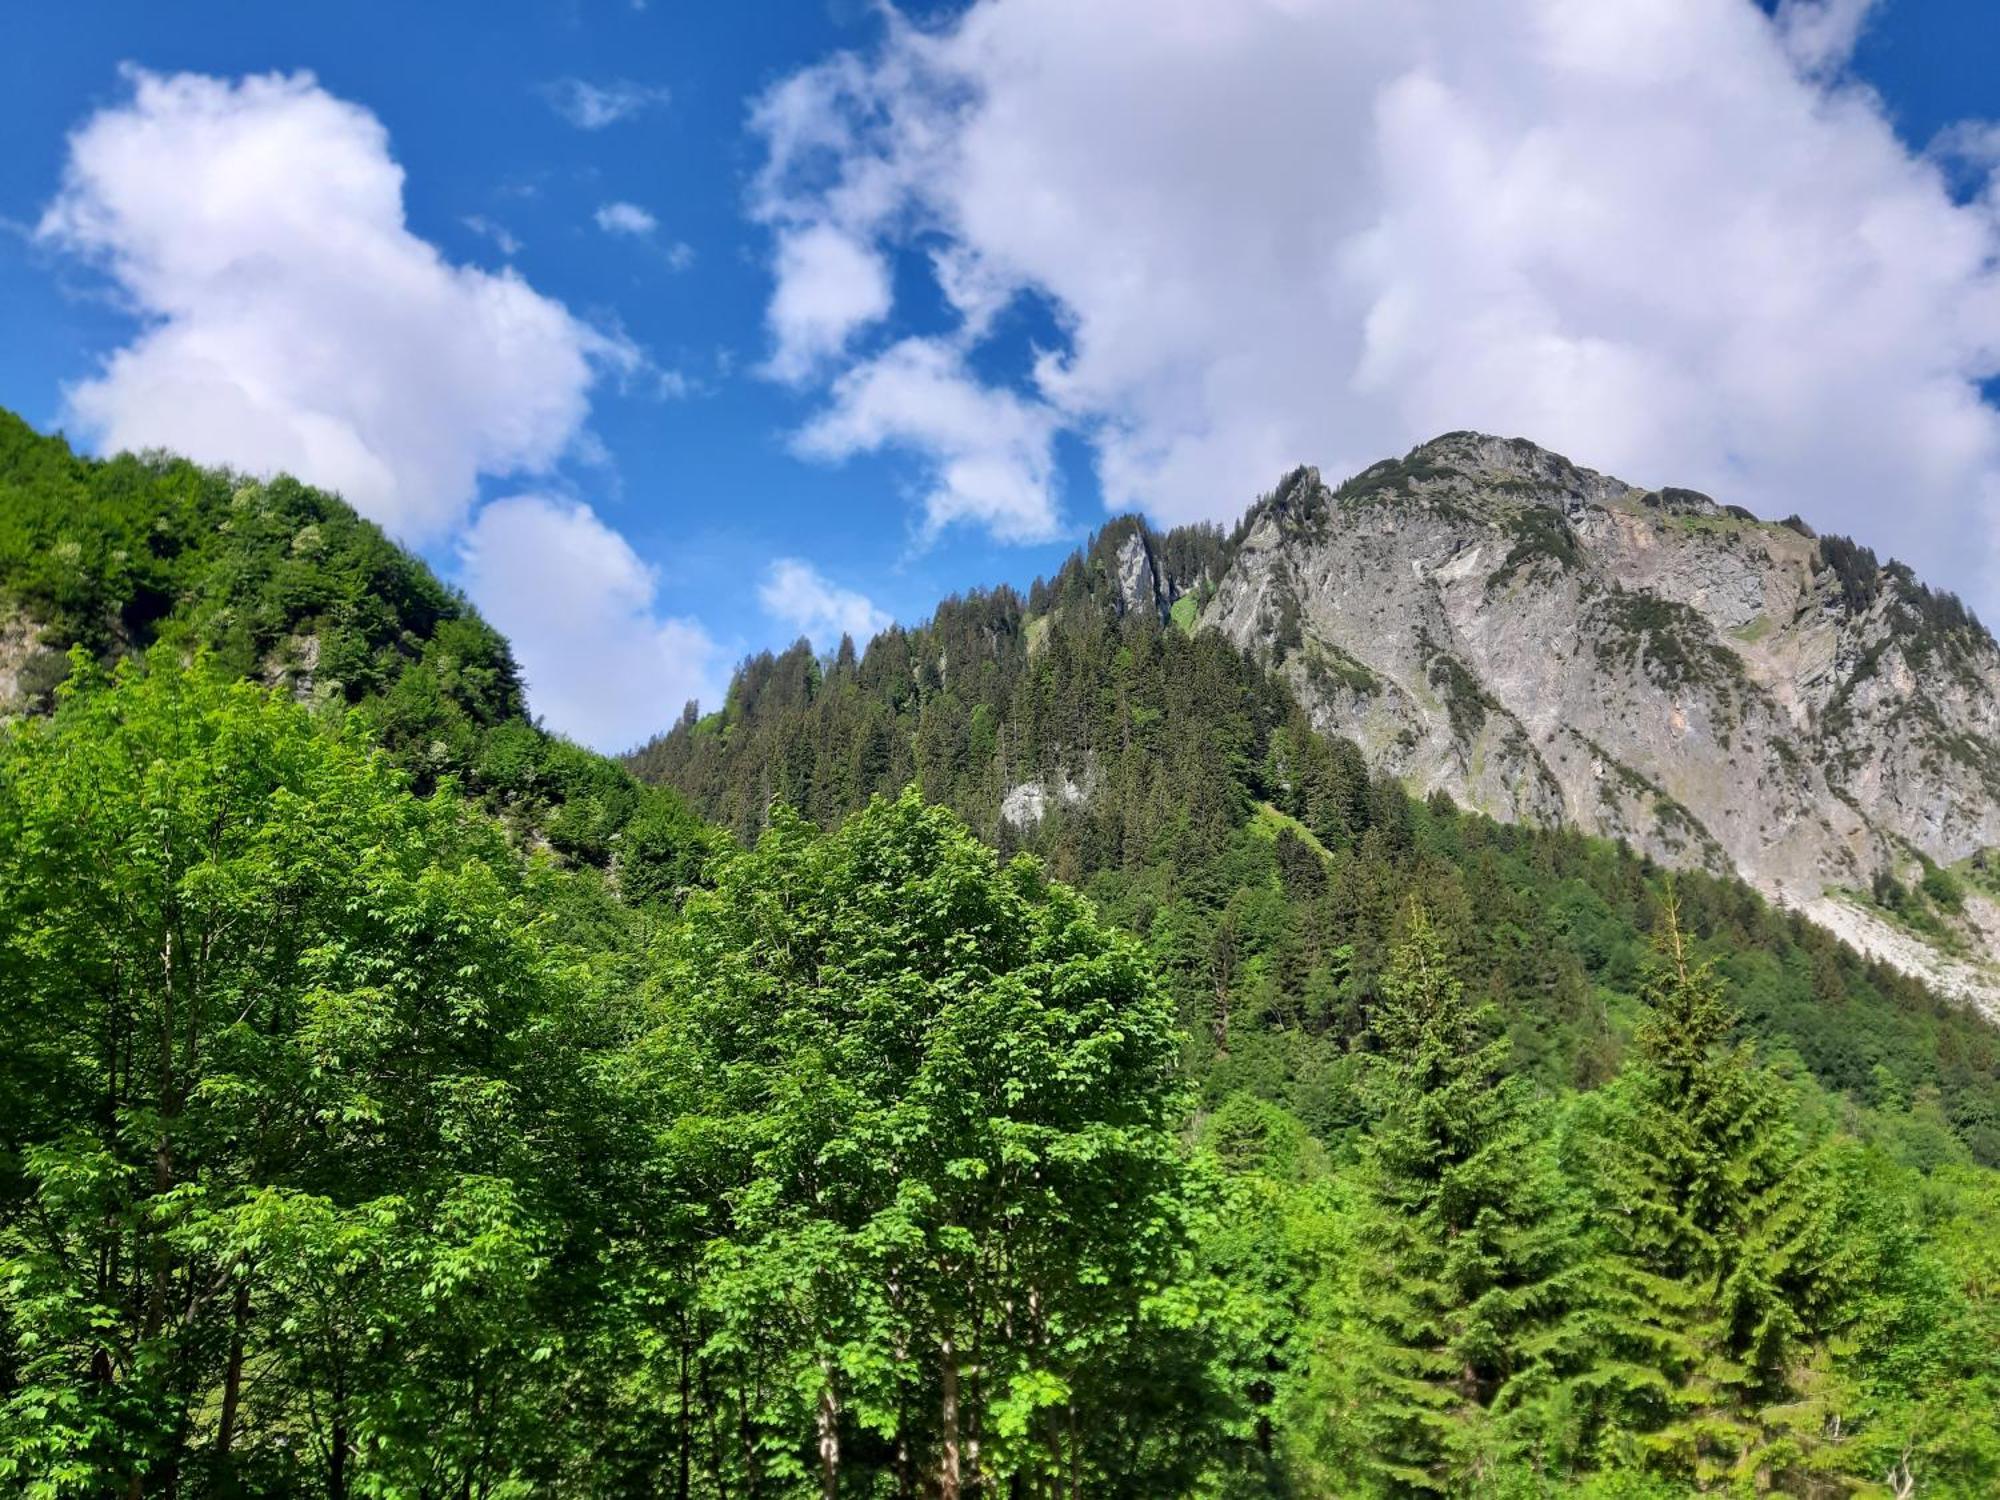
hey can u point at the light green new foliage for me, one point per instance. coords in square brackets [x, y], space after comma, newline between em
[949, 1094]
[262, 1008]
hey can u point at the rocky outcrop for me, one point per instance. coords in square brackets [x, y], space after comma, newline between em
[29, 670]
[1026, 803]
[1139, 578]
[1551, 645]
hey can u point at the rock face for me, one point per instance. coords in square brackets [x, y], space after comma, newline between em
[1551, 645]
[1027, 803]
[1139, 578]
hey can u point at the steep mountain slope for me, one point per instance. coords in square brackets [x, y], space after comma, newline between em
[1180, 782]
[1554, 646]
[285, 584]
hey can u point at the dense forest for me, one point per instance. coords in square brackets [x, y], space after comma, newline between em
[1185, 791]
[403, 1102]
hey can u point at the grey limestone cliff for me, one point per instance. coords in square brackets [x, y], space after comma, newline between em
[1548, 644]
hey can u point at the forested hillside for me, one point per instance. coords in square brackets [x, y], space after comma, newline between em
[1180, 783]
[401, 1102]
[285, 585]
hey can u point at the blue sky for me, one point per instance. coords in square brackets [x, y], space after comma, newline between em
[834, 315]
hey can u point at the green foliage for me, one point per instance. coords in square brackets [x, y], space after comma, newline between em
[1540, 533]
[286, 584]
[1928, 623]
[1393, 476]
[1467, 1244]
[1854, 569]
[402, 1103]
[1669, 641]
[1718, 1250]
[1943, 888]
[330, 1170]
[270, 1014]
[953, 1194]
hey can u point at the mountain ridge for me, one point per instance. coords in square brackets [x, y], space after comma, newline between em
[1805, 646]
[1552, 645]
[1720, 691]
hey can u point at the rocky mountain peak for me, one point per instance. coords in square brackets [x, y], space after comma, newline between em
[1553, 645]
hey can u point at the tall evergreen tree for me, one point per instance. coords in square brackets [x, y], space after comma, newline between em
[1467, 1240]
[1712, 1285]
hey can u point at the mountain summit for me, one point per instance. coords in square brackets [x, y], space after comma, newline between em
[1550, 645]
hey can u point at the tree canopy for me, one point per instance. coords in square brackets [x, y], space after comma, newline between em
[402, 1102]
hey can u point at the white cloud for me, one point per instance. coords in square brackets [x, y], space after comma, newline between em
[601, 662]
[634, 222]
[503, 238]
[626, 218]
[1820, 34]
[1668, 237]
[592, 106]
[798, 595]
[292, 321]
[990, 450]
[829, 287]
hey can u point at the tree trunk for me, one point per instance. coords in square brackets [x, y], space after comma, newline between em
[829, 1438]
[752, 1475]
[716, 1467]
[682, 1478]
[232, 1375]
[1223, 972]
[336, 1463]
[948, 1420]
[906, 1469]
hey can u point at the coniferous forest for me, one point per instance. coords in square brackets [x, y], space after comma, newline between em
[401, 1102]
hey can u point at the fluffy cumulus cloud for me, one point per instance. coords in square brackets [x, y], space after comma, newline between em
[991, 448]
[800, 596]
[830, 286]
[602, 662]
[291, 321]
[1672, 238]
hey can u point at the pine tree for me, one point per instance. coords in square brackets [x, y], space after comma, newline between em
[1468, 1268]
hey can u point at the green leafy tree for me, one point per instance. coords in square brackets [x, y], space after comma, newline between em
[243, 961]
[950, 1092]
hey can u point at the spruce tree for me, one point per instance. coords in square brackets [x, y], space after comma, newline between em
[1710, 1288]
[1466, 1238]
